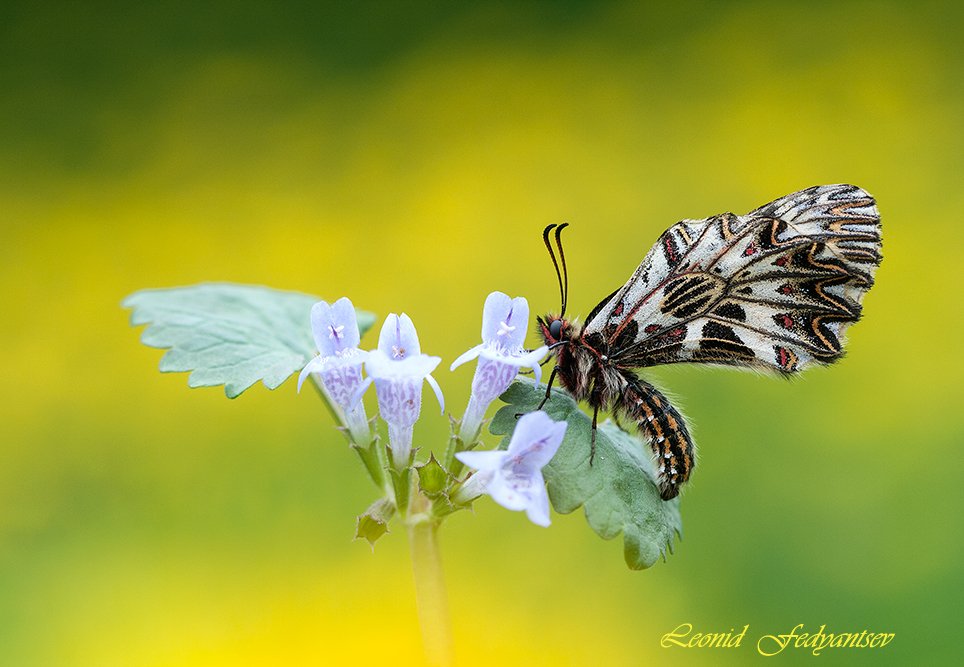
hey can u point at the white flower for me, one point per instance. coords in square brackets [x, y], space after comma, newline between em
[398, 368]
[514, 477]
[338, 366]
[500, 355]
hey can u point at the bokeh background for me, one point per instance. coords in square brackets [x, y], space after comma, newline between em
[408, 155]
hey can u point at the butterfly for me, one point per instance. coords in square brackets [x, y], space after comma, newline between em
[773, 290]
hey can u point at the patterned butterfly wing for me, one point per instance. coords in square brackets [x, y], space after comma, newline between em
[774, 289]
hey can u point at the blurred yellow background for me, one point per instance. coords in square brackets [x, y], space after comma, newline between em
[408, 155]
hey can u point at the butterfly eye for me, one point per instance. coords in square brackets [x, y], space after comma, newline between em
[555, 329]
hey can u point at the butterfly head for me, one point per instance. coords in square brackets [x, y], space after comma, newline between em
[555, 330]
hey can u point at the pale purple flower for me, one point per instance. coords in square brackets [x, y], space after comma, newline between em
[338, 366]
[514, 477]
[398, 368]
[501, 355]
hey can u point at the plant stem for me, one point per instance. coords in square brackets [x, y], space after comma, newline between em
[430, 596]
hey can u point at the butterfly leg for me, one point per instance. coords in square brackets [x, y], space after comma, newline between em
[545, 399]
[615, 413]
[592, 442]
[552, 377]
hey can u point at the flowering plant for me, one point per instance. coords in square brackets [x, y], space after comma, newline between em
[236, 335]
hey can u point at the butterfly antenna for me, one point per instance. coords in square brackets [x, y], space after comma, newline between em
[565, 271]
[552, 255]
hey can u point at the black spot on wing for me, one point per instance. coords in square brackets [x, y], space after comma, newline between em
[626, 339]
[721, 344]
[731, 311]
[671, 248]
[693, 307]
[663, 348]
[689, 295]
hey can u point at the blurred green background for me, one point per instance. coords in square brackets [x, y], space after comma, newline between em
[408, 155]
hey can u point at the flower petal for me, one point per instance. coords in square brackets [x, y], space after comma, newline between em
[492, 377]
[468, 355]
[533, 357]
[520, 359]
[381, 366]
[482, 460]
[399, 403]
[530, 427]
[388, 336]
[518, 320]
[438, 391]
[398, 338]
[504, 321]
[343, 314]
[536, 439]
[316, 364]
[335, 327]
[538, 508]
[496, 310]
[536, 372]
[505, 493]
[320, 319]
[359, 392]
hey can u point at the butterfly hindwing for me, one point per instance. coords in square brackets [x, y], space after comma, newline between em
[773, 289]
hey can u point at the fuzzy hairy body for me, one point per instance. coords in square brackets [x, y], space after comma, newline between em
[589, 375]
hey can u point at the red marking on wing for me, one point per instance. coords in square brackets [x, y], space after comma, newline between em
[783, 320]
[651, 328]
[785, 358]
[618, 310]
[639, 304]
[750, 249]
[670, 250]
[786, 289]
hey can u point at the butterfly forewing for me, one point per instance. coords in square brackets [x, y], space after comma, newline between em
[772, 289]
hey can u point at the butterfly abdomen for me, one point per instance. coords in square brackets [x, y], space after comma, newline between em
[666, 431]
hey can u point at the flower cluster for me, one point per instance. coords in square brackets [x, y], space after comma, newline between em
[398, 369]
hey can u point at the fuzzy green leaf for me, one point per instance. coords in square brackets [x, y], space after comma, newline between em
[229, 334]
[618, 492]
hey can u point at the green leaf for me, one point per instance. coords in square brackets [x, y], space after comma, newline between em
[618, 492]
[229, 334]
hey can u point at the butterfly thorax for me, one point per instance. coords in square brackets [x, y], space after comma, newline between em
[583, 369]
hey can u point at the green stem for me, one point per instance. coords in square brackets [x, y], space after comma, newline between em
[430, 596]
[372, 451]
[451, 448]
